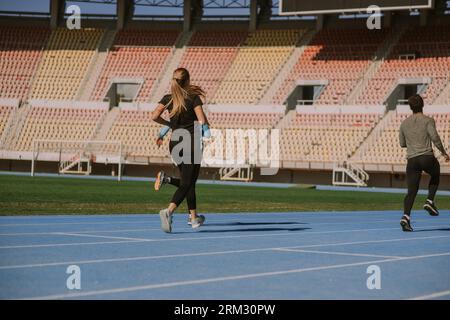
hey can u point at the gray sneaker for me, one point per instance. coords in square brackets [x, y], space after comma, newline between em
[197, 222]
[166, 220]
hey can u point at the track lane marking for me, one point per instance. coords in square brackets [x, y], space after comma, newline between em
[338, 253]
[227, 278]
[204, 238]
[138, 258]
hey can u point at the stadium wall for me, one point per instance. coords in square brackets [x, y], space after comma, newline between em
[314, 177]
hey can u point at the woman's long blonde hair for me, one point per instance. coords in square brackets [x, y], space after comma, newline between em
[181, 89]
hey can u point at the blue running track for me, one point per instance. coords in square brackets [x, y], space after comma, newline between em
[233, 256]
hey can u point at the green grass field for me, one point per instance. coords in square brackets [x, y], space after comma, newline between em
[21, 195]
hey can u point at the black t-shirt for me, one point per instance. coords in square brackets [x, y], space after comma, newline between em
[186, 118]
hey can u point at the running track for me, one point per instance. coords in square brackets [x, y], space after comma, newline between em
[233, 256]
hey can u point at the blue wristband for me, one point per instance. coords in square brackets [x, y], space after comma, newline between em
[206, 133]
[163, 131]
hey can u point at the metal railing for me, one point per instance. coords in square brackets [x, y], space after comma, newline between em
[72, 152]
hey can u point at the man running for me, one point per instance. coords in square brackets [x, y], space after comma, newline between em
[417, 132]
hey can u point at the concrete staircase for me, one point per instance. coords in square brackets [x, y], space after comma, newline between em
[286, 119]
[8, 128]
[159, 89]
[287, 67]
[15, 127]
[102, 131]
[381, 54]
[444, 96]
[95, 68]
[372, 137]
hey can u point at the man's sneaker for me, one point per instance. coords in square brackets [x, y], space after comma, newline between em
[197, 222]
[160, 180]
[166, 220]
[405, 223]
[431, 208]
[189, 220]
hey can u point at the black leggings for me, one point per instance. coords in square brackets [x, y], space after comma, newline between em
[416, 165]
[186, 185]
[188, 176]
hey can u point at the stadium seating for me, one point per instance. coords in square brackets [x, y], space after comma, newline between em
[431, 46]
[243, 119]
[256, 64]
[137, 131]
[46, 69]
[386, 149]
[209, 55]
[65, 61]
[5, 113]
[338, 55]
[139, 55]
[20, 52]
[235, 127]
[62, 121]
[325, 136]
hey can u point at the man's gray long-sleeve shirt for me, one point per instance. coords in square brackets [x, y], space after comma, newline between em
[416, 134]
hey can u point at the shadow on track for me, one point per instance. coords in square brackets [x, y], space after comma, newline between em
[253, 230]
[436, 229]
[251, 223]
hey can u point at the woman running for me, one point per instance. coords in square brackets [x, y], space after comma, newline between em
[417, 132]
[186, 120]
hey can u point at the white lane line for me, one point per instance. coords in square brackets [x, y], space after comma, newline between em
[209, 237]
[143, 219]
[370, 241]
[226, 278]
[337, 253]
[212, 222]
[194, 254]
[432, 295]
[98, 236]
[150, 218]
[126, 217]
[65, 244]
[71, 223]
[76, 231]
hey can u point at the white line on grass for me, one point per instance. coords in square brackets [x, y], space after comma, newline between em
[139, 258]
[227, 278]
